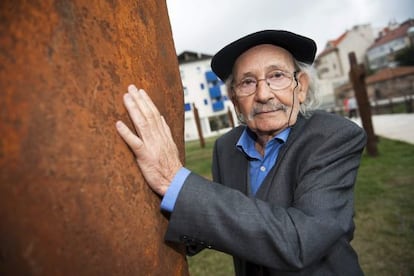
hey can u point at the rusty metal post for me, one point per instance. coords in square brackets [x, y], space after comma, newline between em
[198, 124]
[357, 76]
[72, 199]
[230, 116]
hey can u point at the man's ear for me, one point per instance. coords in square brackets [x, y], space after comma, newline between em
[233, 99]
[303, 86]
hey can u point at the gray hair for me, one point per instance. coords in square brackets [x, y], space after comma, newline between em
[311, 102]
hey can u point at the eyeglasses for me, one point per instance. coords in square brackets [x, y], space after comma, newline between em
[276, 80]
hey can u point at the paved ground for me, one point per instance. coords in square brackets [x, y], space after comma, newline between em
[393, 126]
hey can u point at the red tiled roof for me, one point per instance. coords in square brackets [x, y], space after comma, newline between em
[389, 73]
[339, 39]
[382, 75]
[331, 45]
[391, 35]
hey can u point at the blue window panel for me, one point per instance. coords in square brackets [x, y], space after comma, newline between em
[218, 106]
[215, 92]
[187, 107]
[210, 76]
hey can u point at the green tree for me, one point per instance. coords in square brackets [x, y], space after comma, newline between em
[405, 57]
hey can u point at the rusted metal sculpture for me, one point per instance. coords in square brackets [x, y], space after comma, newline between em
[199, 128]
[357, 77]
[72, 200]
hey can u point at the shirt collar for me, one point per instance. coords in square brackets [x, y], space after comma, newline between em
[246, 142]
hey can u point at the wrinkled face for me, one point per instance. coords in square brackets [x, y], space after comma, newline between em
[268, 111]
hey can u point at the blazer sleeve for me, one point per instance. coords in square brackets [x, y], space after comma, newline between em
[211, 215]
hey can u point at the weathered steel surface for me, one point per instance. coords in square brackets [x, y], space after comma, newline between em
[357, 77]
[72, 200]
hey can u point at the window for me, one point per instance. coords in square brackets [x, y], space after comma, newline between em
[187, 107]
[219, 122]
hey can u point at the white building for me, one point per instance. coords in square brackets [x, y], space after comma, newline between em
[332, 64]
[391, 40]
[204, 91]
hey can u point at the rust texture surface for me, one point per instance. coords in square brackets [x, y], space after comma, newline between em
[72, 200]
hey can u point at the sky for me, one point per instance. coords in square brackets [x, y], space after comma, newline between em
[205, 26]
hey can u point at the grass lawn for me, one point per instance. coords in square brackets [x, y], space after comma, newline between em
[384, 203]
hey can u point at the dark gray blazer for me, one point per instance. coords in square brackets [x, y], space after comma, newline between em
[301, 220]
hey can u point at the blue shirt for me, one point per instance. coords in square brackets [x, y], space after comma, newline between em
[259, 166]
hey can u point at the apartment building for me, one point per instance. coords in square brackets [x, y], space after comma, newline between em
[203, 91]
[391, 40]
[332, 64]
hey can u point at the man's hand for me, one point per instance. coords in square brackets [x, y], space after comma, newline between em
[154, 148]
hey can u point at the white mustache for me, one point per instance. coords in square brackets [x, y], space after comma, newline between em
[268, 107]
[262, 108]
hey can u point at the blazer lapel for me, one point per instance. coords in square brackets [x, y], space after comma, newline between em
[240, 173]
[271, 178]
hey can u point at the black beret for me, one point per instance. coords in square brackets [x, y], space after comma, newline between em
[302, 49]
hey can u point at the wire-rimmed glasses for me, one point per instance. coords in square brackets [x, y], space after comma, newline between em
[276, 80]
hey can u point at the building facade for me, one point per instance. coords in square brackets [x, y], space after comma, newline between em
[386, 85]
[206, 93]
[332, 64]
[391, 40]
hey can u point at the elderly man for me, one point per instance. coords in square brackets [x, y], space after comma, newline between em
[282, 197]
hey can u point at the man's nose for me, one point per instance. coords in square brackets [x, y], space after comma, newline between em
[263, 91]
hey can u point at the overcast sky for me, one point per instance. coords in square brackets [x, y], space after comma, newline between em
[207, 25]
